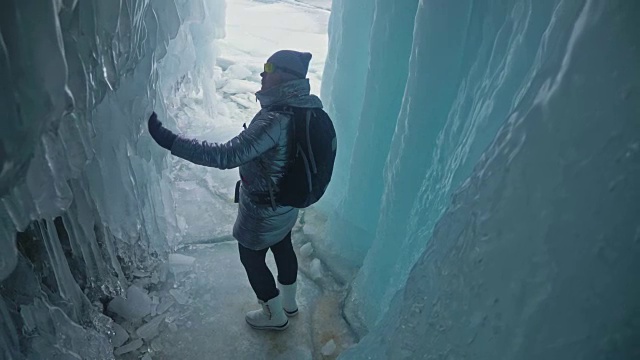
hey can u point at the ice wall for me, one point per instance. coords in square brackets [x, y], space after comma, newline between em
[344, 77]
[82, 191]
[353, 227]
[539, 88]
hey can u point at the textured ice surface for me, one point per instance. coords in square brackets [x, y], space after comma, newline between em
[525, 111]
[343, 85]
[129, 347]
[355, 224]
[316, 269]
[55, 335]
[79, 177]
[136, 305]
[150, 329]
[329, 348]
[214, 322]
[180, 263]
[165, 304]
[179, 296]
[306, 250]
[120, 335]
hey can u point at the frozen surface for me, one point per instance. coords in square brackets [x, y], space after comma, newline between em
[306, 250]
[151, 329]
[94, 199]
[84, 192]
[497, 217]
[329, 348]
[129, 347]
[214, 322]
[120, 335]
[136, 305]
[316, 269]
[485, 199]
[355, 222]
[343, 86]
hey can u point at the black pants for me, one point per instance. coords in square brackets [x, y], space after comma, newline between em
[260, 276]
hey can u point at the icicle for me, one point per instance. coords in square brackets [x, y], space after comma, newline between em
[68, 287]
[9, 343]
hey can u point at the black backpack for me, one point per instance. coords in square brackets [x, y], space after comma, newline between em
[311, 164]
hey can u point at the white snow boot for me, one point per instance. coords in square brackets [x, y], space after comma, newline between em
[289, 299]
[271, 317]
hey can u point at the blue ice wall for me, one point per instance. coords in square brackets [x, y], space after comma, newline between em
[476, 69]
[82, 191]
[353, 226]
[344, 77]
[536, 256]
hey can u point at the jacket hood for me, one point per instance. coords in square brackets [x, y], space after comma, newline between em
[295, 93]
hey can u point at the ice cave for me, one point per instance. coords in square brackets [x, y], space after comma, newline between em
[482, 205]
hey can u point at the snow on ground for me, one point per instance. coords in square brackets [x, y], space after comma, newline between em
[255, 30]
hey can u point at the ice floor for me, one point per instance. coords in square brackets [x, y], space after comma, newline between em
[213, 326]
[199, 298]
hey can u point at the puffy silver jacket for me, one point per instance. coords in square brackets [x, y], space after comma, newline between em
[261, 152]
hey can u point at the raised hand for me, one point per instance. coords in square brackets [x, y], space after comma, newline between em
[163, 136]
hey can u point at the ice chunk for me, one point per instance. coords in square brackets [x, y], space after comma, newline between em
[120, 335]
[142, 282]
[119, 306]
[166, 303]
[151, 329]
[136, 306]
[180, 263]
[9, 254]
[306, 250]
[140, 273]
[156, 344]
[239, 86]
[155, 301]
[237, 72]
[181, 260]
[316, 269]
[329, 348]
[163, 272]
[56, 335]
[173, 327]
[132, 346]
[243, 101]
[180, 296]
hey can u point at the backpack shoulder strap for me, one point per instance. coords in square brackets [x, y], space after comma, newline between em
[281, 108]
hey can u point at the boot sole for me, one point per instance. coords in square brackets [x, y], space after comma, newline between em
[291, 314]
[277, 328]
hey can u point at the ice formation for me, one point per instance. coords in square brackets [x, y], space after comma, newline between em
[485, 198]
[492, 196]
[79, 179]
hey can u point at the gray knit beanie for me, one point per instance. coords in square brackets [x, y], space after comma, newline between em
[293, 62]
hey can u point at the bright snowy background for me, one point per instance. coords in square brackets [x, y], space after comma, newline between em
[254, 31]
